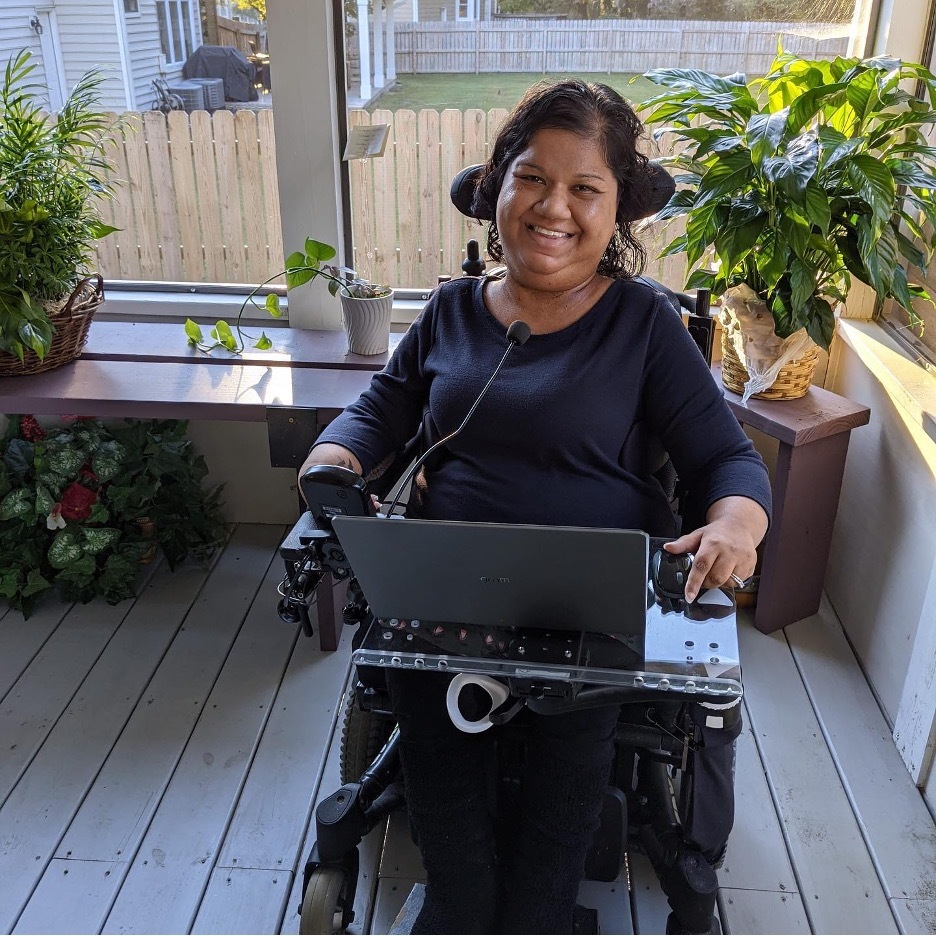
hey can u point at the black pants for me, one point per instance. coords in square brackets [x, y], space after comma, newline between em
[479, 881]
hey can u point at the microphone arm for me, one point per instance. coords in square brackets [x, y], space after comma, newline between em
[517, 334]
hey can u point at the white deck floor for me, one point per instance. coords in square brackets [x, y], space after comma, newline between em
[161, 760]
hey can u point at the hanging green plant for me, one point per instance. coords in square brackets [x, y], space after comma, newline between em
[72, 496]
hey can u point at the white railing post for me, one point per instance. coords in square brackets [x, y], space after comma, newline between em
[379, 80]
[391, 46]
[363, 23]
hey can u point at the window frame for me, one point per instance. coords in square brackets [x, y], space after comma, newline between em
[173, 16]
[889, 314]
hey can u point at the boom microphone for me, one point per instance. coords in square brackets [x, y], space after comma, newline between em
[517, 334]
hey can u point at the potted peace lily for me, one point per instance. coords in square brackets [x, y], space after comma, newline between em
[791, 186]
[366, 307]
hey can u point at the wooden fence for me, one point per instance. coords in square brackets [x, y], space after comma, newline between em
[608, 46]
[198, 199]
[245, 37]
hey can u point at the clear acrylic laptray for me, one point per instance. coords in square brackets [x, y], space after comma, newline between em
[688, 650]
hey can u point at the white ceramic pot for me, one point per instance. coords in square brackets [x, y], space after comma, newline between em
[367, 322]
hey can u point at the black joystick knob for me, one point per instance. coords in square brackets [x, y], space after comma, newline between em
[670, 572]
[473, 265]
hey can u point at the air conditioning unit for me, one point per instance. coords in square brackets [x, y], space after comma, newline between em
[214, 92]
[191, 92]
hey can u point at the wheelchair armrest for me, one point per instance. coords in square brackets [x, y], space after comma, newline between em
[298, 539]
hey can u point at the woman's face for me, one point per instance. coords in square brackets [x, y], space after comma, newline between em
[556, 211]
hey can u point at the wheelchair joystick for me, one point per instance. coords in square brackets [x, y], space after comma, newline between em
[473, 265]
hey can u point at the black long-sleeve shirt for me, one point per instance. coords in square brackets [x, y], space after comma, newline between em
[563, 435]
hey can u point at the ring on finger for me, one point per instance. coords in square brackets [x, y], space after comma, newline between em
[740, 582]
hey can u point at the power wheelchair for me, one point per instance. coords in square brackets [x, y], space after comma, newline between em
[680, 692]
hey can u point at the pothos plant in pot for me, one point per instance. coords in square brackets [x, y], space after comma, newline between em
[791, 185]
[53, 175]
[72, 496]
[366, 306]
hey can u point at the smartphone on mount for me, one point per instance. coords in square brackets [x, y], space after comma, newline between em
[331, 490]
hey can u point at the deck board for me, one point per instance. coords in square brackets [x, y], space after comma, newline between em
[114, 710]
[166, 880]
[837, 877]
[21, 639]
[46, 799]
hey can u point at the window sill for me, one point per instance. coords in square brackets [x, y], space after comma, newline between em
[911, 384]
[126, 305]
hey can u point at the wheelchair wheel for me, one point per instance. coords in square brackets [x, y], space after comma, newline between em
[363, 734]
[320, 913]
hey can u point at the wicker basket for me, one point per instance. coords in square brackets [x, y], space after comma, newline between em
[792, 381]
[71, 322]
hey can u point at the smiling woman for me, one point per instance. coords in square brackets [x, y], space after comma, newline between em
[607, 360]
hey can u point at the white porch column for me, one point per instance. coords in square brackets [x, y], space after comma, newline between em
[307, 156]
[379, 80]
[391, 44]
[363, 23]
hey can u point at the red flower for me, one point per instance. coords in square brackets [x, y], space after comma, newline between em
[77, 501]
[30, 429]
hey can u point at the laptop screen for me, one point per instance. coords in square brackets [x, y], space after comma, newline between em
[490, 574]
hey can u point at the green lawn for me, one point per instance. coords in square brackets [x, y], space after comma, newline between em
[504, 89]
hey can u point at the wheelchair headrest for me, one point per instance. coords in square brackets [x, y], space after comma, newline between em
[660, 188]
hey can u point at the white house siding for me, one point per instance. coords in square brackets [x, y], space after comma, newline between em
[15, 34]
[88, 39]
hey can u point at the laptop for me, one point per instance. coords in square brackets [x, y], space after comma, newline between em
[491, 574]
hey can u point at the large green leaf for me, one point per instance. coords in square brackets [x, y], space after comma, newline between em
[701, 229]
[802, 283]
[17, 504]
[772, 258]
[764, 133]
[862, 93]
[909, 172]
[792, 170]
[97, 539]
[900, 290]
[681, 202]
[875, 183]
[820, 321]
[734, 240]
[725, 178]
[911, 251]
[64, 549]
[796, 231]
[816, 206]
[804, 107]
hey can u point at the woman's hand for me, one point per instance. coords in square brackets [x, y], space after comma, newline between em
[725, 546]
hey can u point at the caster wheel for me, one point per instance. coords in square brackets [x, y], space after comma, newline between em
[320, 912]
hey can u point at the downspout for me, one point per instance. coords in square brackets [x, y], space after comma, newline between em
[123, 46]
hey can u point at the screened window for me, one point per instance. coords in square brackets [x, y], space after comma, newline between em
[443, 75]
[921, 332]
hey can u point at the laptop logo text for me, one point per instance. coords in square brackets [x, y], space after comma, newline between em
[496, 579]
